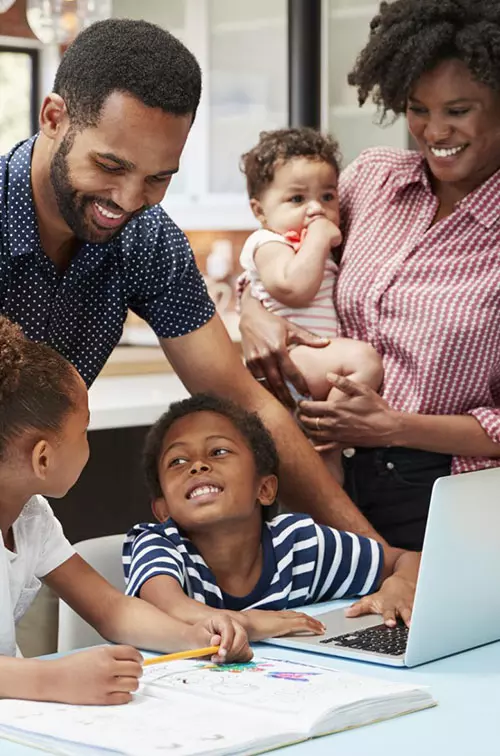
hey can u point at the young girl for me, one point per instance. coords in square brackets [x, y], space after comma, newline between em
[211, 468]
[43, 449]
[292, 179]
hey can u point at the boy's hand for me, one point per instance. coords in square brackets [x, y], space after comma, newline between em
[396, 595]
[103, 675]
[263, 624]
[222, 630]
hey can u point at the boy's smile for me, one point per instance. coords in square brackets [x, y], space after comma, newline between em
[208, 475]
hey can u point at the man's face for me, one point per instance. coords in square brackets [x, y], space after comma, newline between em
[104, 175]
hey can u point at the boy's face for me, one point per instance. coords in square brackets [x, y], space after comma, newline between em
[207, 475]
[302, 187]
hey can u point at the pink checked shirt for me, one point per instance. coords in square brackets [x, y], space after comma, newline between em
[426, 297]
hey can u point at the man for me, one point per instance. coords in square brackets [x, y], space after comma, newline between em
[82, 236]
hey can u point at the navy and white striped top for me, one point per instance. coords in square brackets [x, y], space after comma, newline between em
[303, 563]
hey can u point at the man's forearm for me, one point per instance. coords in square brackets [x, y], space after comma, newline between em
[305, 483]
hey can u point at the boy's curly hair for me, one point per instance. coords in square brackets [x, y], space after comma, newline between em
[277, 147]
[410, 37]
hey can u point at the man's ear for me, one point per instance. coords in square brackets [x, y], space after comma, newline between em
[257, 210]
[160, 509]
[54, 117]
[268, 490]
[42, 459]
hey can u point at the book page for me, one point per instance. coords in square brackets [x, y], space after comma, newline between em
[302, 694]
[176, 725]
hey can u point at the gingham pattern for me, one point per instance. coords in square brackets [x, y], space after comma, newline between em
[427, 297]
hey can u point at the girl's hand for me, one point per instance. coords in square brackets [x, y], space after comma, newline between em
[359, 417]
[394, 599]
[220, 629]
[262, 624]
[102, 676]
[265, 339]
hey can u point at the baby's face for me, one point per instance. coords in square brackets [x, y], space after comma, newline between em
[302, 187]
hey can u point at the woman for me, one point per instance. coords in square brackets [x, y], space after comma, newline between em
[420, 270]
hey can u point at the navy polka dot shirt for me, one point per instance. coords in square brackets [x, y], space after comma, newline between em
[149, 267]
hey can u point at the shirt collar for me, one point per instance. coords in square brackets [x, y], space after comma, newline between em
[483, 202]
[22, 223]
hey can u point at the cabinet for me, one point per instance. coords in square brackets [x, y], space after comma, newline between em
[346, 26]
[242, 49]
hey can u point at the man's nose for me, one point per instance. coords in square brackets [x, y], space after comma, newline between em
[131, 197]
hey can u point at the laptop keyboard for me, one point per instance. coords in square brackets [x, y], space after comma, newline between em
[380, 639]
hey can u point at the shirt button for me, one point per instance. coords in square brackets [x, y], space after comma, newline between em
[349, 452]
[390, 465]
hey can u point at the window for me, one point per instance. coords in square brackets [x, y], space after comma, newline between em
[18, 95]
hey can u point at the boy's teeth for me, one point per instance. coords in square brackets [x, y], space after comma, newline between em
[203, 490]
[443, 152]
[108, 213]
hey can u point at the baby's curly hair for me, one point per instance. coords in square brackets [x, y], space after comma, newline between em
[37, 386]
[278, 147]
[410, 37]
[248, 424]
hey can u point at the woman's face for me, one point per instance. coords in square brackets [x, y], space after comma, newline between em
[455, 121]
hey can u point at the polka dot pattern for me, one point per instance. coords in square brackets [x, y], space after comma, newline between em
[149, 267]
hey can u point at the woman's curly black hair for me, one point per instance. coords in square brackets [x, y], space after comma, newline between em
[410, 37]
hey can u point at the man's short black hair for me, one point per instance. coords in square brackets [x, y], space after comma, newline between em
[133, 57]
[411, 37]
[248, 424]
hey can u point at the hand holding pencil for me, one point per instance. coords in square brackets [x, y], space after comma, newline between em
[222, 631]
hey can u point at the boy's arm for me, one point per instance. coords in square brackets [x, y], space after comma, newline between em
[294, 278]
[123, 619]
[165, 593]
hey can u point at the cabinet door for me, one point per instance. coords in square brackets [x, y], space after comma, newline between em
[347, 25]
[247, 83]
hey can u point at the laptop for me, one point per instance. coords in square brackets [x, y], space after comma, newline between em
[457, 600]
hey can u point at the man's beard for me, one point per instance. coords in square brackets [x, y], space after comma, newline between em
[73, 205]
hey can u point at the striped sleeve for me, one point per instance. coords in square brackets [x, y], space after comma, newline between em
[148, 555]
[345, 565]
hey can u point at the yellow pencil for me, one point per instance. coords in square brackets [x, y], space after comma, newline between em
[192, 654]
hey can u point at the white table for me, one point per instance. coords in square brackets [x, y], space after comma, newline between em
[465, 722]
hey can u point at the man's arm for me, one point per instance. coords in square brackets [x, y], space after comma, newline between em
[206, 360]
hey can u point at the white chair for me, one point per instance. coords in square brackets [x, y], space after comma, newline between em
[104, 555]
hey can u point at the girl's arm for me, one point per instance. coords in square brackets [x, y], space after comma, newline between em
[123, 619]
[165, 592]
[294, 278]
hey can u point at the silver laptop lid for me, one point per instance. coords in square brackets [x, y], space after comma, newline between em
[457, 602]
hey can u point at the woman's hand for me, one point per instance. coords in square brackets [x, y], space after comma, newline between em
[265, 339]
[357, 417]
[262, 624]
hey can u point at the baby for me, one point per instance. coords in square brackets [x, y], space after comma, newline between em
[292, 177]
[212, 470]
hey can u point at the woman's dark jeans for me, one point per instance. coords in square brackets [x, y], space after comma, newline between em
[392, 488]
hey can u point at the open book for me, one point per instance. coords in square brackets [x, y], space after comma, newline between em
[189, 708]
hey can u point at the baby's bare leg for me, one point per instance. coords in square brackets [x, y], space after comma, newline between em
[352, 359]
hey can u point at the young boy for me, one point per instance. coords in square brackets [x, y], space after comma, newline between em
[292, 177]
[213, 470]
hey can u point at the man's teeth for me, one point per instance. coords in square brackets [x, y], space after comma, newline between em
[443, 152]
[203, 491]
[108, 213]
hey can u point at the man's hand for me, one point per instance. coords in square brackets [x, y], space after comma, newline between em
[265, 339]
[262, 624]
[396, 595]
[220, 629]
